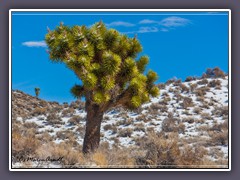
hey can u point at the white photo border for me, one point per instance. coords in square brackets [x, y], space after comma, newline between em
[118, 10]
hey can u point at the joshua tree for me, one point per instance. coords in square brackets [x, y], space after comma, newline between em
[104, 60]
[37, 91]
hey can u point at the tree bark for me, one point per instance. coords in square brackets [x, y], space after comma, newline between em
[93, 126]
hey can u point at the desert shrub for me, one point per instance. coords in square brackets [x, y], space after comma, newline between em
[193, 86]
[126, 132]
[80, 130]
[206, 116]
[30, 125]
[170, 81]
[139, 127]
[165, 94]
[170, 125]
[184, 88]
[68, 112]
[162, 151]
[39, 111]
[78, 104]
[161, 86]
[200, 91]
[189, 119]
[108, 127]
[69, 158]
[141, 117]
[75, 120]
[65, 134]
[65, 105]
[190, 78]
[215, 72]
[214, 83]
[220, 111]
[202, 82]
[181, 128]
[24, 142]
[197, 110]
[165, 101]
[57, 108]
[54, 119]
[177, 82]
[187, 102]
[155, 106]
[218, 138]
[125, 122]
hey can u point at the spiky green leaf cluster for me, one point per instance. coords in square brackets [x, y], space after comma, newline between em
[104, 60]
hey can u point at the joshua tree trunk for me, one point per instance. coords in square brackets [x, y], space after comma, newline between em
[93, 125]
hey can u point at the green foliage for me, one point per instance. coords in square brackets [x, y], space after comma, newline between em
[104, 60]
[37, 91]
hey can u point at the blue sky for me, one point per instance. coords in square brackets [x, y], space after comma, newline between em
[179, 44]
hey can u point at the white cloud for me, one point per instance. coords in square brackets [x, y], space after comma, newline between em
[120, 23]
[147, 29]
[148, 21]
[143, 30]
[164, 30]
[34, 44]
[174, 21]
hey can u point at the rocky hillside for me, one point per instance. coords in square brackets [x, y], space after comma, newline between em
[194, 114]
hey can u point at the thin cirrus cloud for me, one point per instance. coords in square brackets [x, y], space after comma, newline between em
[120, 23]
[148, 21]
[172, 21]
[147, 29]
[34, 44]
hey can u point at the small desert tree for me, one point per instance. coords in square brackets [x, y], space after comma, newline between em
[104, 60]
[37, 91]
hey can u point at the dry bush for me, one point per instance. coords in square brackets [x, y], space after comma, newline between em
[177, 82]
[155, 106]
[214, 83]
[113, 158]
[197, 110]
[65, 134]
[78, 104]
[193, 86]
[68, 112]
[70, 157]
[218, 138]
[187, 102]
[29, 125]
[39, 111]
[141, 118]
[75, 120]
[161, 86]
[125, 122]
[220, 111]
[45, 137]
[184, 88]
[108, 127]
[53, 119]
[206, 116]
[24, 142]
[126, 132]
[190, 78]
[181, 128]
[139, 127]
[163, 151]
[80, 130]
[189, 119]
[170, 125]
[192, 157]
[202, 82]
